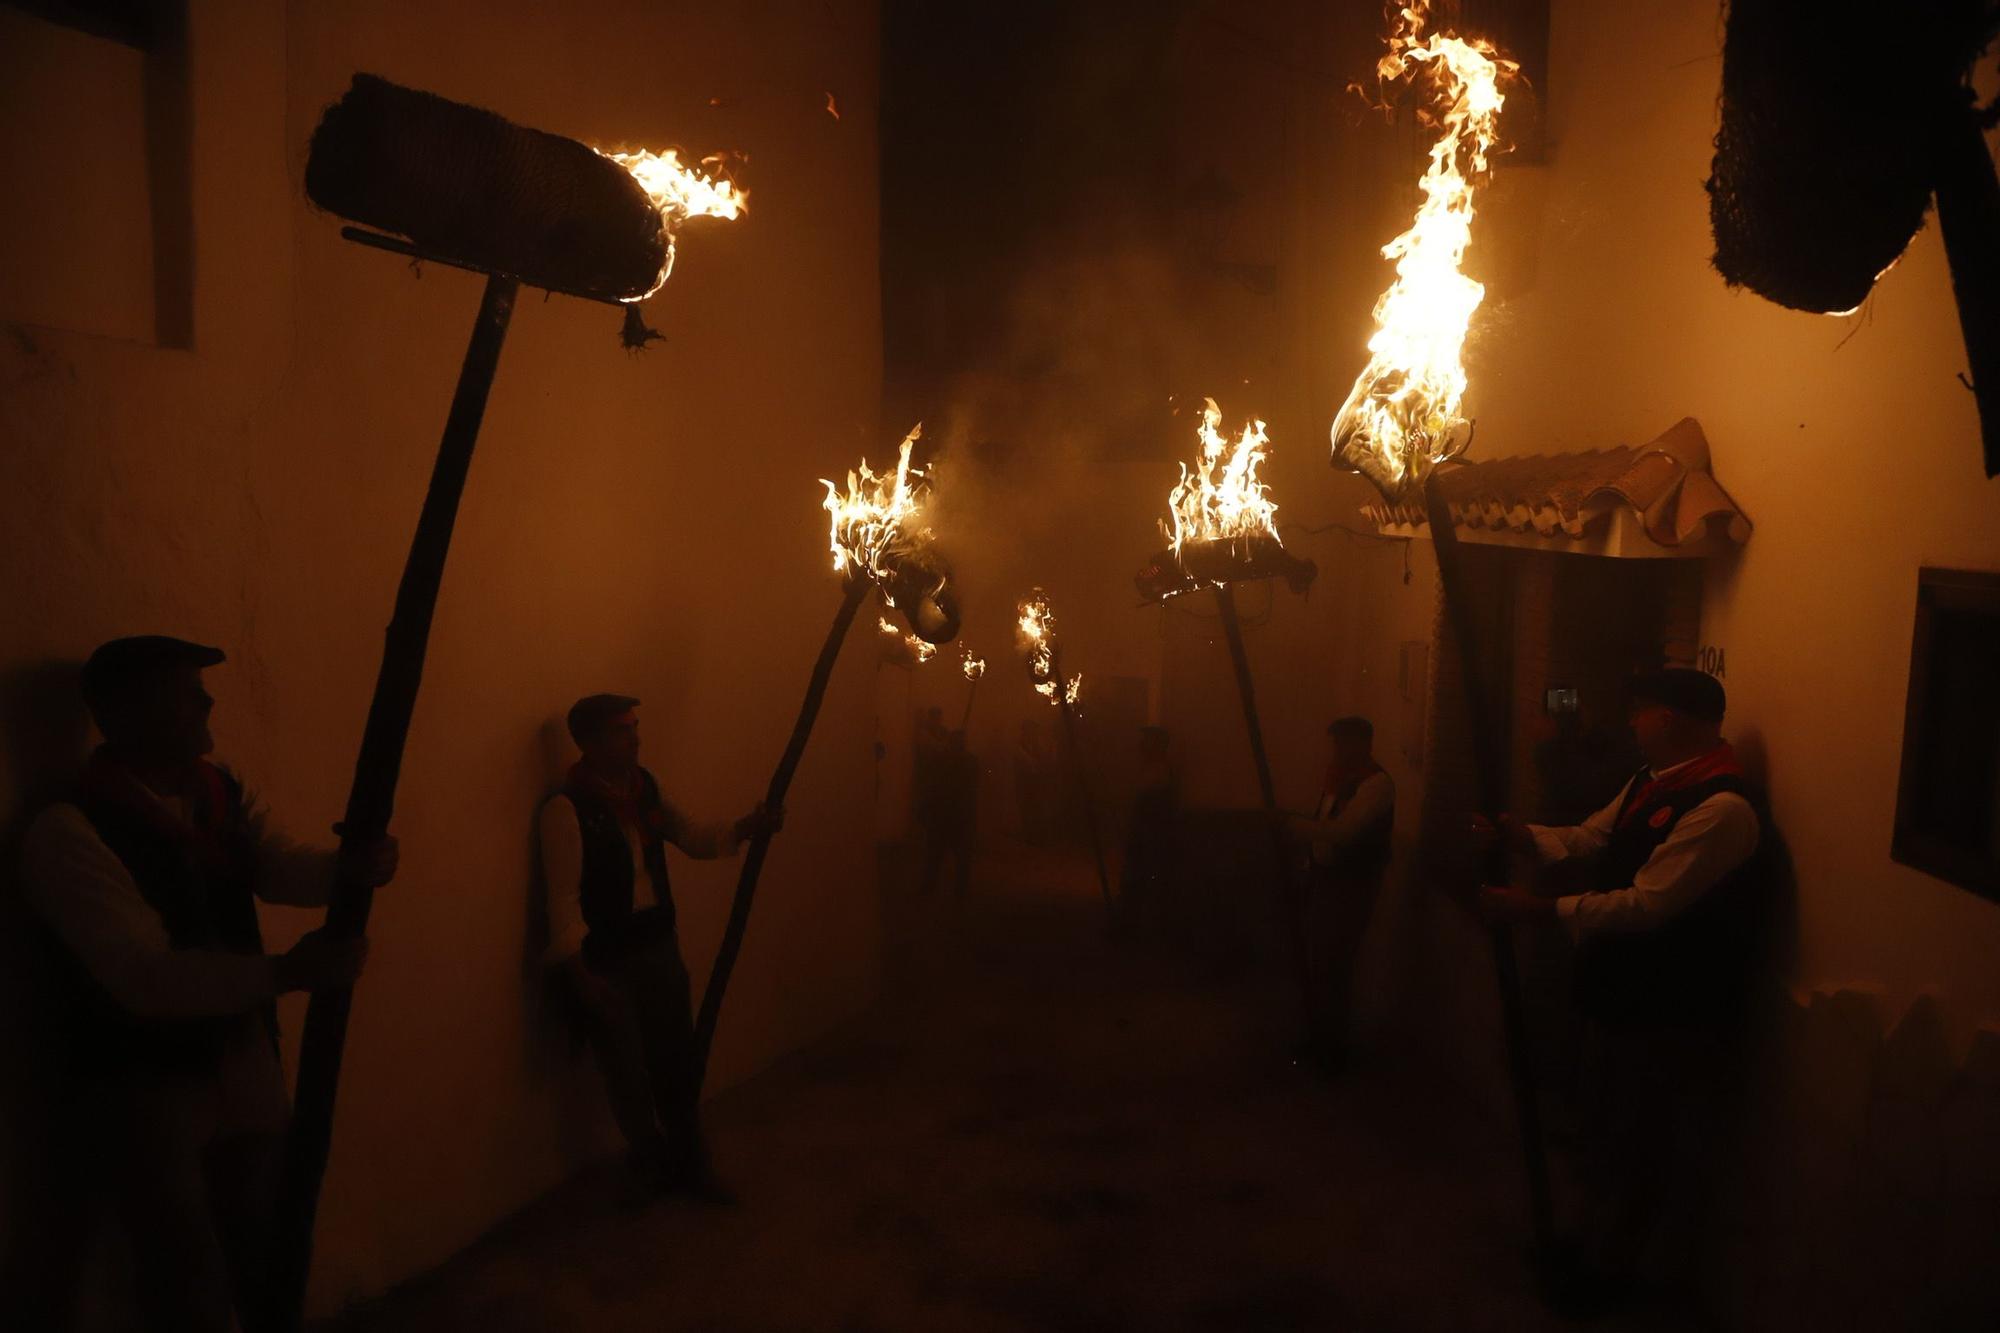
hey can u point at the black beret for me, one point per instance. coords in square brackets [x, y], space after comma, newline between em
[117, 665]
[1682, 689]
[592, 711]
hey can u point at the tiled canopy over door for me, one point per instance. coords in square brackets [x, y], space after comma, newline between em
[1583, 568]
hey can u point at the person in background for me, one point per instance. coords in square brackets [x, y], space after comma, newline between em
[603, 837]
[147, 882]
[1151, 837]
[948, 814]
[1345, 848]
[1665, 938]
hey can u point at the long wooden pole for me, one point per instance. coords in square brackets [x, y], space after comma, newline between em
[371, 800]
[1487, 765]
[774, 799]
[1232, 629]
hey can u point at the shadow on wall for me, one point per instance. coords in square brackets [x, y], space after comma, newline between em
[44, 737]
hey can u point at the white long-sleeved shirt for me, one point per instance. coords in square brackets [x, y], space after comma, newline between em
[1705, 844]
[562, 865]
[1374, 803]
[77, 885]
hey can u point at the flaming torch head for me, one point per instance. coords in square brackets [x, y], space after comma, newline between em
[973, 667]
[878, 533]
[1221, 524]
[680, 192]
[1036, 630]
[1403, 414]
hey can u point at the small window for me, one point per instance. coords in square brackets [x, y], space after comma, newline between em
[1948, 800]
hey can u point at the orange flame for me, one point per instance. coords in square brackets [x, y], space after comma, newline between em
[922, 650]
[877, 518]
[973, 667]
[1221, 499]
[1402, 416]
[680, 192]
[1037, 626]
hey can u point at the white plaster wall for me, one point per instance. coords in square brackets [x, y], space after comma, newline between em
[648, 524]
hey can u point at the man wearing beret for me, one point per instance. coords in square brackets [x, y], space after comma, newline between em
[147, 882]
[1665, 936]
[603, 837]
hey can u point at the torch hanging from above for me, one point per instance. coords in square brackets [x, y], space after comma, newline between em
[881, 542]
[1402, 419]
[1402, 416]
[1036, 631]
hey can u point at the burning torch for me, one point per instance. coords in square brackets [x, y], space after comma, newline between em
[437, 180]
[1402, 420]
[1222, 532]
[1036, 630]
[880, 543]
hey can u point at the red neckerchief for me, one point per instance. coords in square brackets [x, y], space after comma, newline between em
[626, 800]
[1719, 762]
[108, 780]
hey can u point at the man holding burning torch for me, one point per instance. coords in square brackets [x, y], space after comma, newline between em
[1665, 939]
[603, 839]
[1346, 850]
[147, 881]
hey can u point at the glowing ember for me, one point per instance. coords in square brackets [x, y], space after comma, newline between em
[1221, 500]
[1037, 626]
[973, 667]
[680, 192]
[1402, 415]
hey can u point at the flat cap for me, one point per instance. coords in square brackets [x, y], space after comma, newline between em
[116, 665]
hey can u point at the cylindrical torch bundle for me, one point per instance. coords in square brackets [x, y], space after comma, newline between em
[469, 185]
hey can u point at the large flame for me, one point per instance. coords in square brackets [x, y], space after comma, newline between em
[876, 519]
[1221, 498]
[680, 192]
[1402, 415]
[1037, 625]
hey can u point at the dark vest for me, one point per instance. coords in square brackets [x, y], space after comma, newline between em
[1691, 971]
[203, 891]
[617, 927]
[1365, 858]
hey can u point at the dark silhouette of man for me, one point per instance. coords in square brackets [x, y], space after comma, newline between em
[147, 880]
[1665, 939]
[603, 840]
[1346, 847]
